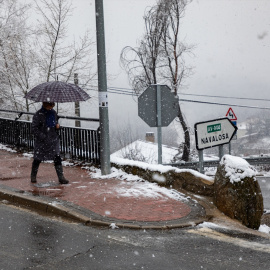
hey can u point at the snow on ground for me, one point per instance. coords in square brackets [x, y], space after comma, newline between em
[211, 225]
[113, 226]
[146, 151]
[264, 228]
[136, 186]
[265, 173]
[6, 148]
[28, 155]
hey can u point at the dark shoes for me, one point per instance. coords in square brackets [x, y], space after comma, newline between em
[34, 171]
[63, 181]
[33, 178]
[61, 177]
[58, 168]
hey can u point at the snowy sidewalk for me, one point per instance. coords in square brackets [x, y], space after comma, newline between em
[116, 199]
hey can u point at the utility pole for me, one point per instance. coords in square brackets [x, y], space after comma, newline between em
[77, 104]
[102, 90]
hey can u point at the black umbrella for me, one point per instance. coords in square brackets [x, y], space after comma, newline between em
[57, 92]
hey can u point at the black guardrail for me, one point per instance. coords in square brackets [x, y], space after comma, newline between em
[20, 113]
[76, 143]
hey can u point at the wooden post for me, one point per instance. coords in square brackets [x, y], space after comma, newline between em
[77, 104]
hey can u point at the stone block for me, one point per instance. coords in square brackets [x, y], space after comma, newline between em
[237, 192]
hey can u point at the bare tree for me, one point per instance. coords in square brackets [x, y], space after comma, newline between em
[16, 54]
[58, 57]
[142, 63]
[159, 58]
[176, 70]
[32, 55]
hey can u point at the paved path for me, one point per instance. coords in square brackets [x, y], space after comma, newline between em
[106, 200]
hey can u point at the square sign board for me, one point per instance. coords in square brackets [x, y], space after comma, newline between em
[213, 133]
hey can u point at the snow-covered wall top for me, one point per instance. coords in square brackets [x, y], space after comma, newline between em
[237, 168]
[157, 167]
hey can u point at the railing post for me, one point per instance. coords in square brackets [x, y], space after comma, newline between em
[17, 134]
[97, 146]
[201, 167]
[77, 104]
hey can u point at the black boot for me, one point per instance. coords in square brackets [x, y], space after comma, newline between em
[61, 177]
[34, 171]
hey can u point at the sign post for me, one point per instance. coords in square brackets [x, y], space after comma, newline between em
[159, 131]
[201, 168]
[232, 117]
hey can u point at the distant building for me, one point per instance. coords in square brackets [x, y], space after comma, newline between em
[150, 137]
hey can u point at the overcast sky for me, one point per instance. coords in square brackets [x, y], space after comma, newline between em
[231, 58]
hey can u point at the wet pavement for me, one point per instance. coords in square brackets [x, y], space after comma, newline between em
[96, 201]
[265, 187]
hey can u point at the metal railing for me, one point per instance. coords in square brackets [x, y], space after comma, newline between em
[80, 144]
[20, 113]
[16, 133]
[75, 143]
[194, 165]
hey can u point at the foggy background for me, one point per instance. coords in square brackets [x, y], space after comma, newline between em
[230, 59]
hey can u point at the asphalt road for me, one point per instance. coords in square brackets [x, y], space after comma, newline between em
[265, 187]
[31, 241]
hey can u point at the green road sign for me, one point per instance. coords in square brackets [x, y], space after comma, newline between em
[213, 133]
[214, 128]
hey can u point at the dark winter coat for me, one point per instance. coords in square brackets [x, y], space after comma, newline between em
[47, 143]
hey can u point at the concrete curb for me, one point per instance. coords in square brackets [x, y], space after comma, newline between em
[46, 206]
[40, 205]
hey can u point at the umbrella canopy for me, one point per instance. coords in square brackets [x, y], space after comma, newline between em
[57, 92]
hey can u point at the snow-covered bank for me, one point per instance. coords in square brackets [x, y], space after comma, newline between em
[137, 186]
[157, 168]
[237, 168]
[168, 176]
[6, 148]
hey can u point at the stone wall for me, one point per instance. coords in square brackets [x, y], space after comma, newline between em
[177, 180]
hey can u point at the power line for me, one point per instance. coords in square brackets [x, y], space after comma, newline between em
[121, 89]
[121, 93]
[130, 92]
[111, 91]
[224, 104]
[260, 99]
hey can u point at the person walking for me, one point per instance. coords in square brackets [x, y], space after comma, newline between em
[47, 143]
